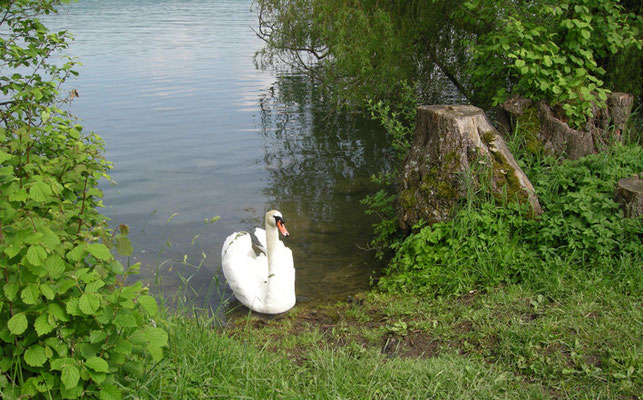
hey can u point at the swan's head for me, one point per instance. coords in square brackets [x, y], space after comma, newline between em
[274, 218]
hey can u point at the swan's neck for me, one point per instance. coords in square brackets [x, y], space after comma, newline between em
[272, 240]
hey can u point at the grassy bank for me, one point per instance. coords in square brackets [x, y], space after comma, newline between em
[511, 342]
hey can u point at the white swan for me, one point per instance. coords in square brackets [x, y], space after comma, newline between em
[261, 274]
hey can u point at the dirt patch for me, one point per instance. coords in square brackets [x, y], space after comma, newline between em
[339, 326]
[528, 317]
[468, 298]
[413, 345]
[464, 327]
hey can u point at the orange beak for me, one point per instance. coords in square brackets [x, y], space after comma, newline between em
[282, 228]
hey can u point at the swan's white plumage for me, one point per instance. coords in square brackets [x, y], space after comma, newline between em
[263, 281]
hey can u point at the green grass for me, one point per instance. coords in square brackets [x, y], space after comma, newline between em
[511, 342]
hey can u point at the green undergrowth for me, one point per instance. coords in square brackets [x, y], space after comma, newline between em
[581, 235]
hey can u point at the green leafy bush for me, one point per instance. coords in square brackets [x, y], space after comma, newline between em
[581, 233]
[68, 325]
[581, 216]
[556, 52]
[399, 121]
[481, 246]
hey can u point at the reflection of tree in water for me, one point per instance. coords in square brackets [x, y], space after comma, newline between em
[320, 168]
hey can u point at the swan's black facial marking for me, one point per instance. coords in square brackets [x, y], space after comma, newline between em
[281, 225]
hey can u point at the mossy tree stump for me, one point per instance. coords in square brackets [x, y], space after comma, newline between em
[629, 194]
[455, 146]
[550, 132]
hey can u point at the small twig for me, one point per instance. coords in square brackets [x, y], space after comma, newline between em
[82, 208]
[32, 223]
[4, 17]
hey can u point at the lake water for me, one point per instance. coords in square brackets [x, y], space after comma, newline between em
[196, 129]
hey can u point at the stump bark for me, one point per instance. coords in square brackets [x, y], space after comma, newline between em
[629, 194]
[456, 146]
[545, 128]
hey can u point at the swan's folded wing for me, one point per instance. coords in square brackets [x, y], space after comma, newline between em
[244, 270]
[259, 241]
[260, 234]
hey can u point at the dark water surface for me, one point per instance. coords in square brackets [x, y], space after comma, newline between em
[195, 130]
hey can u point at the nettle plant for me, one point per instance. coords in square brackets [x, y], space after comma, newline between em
[555, 52]
[69, 326]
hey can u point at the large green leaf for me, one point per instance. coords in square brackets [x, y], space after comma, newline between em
[10, 290]
[94, 286]
[47, 291]
[123, 346]
[149, 304]
[5, 363]
[36, 255]
[110, 392]
[89, 303]
[125, 320]
[17, 324]
[65, 285]
[71, 306]
[124, 246]
[30, 294]
[97, 336]
[76, 254]
[156, 336]
[55, 266]
[60, 363]
[70, 376]
[40, 192]
[35, 356]
[42, 325]
[156, 352]
[100, 251]
[4, 156]
[97, 364]
[58, 312]
[98, 377]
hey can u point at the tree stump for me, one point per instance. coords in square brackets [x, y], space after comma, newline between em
[629, 194]
[455, 146]
[545, 128]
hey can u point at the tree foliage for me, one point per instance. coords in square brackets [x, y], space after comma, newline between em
[560, 52]
[563, 51]
[362, 48]
[67, 323]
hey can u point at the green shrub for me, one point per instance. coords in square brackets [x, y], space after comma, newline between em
[68, 324]
[556, 52]
[480, 247]
[581, 233]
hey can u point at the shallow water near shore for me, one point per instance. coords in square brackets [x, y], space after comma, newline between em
[197, 129]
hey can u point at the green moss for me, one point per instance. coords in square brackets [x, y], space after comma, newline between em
[446, 191]
[451, 160]
[529, 127]
[407, 198]
[488, 137]
[505, 176]
[433, 183]
[533, 144]
[429, 181]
